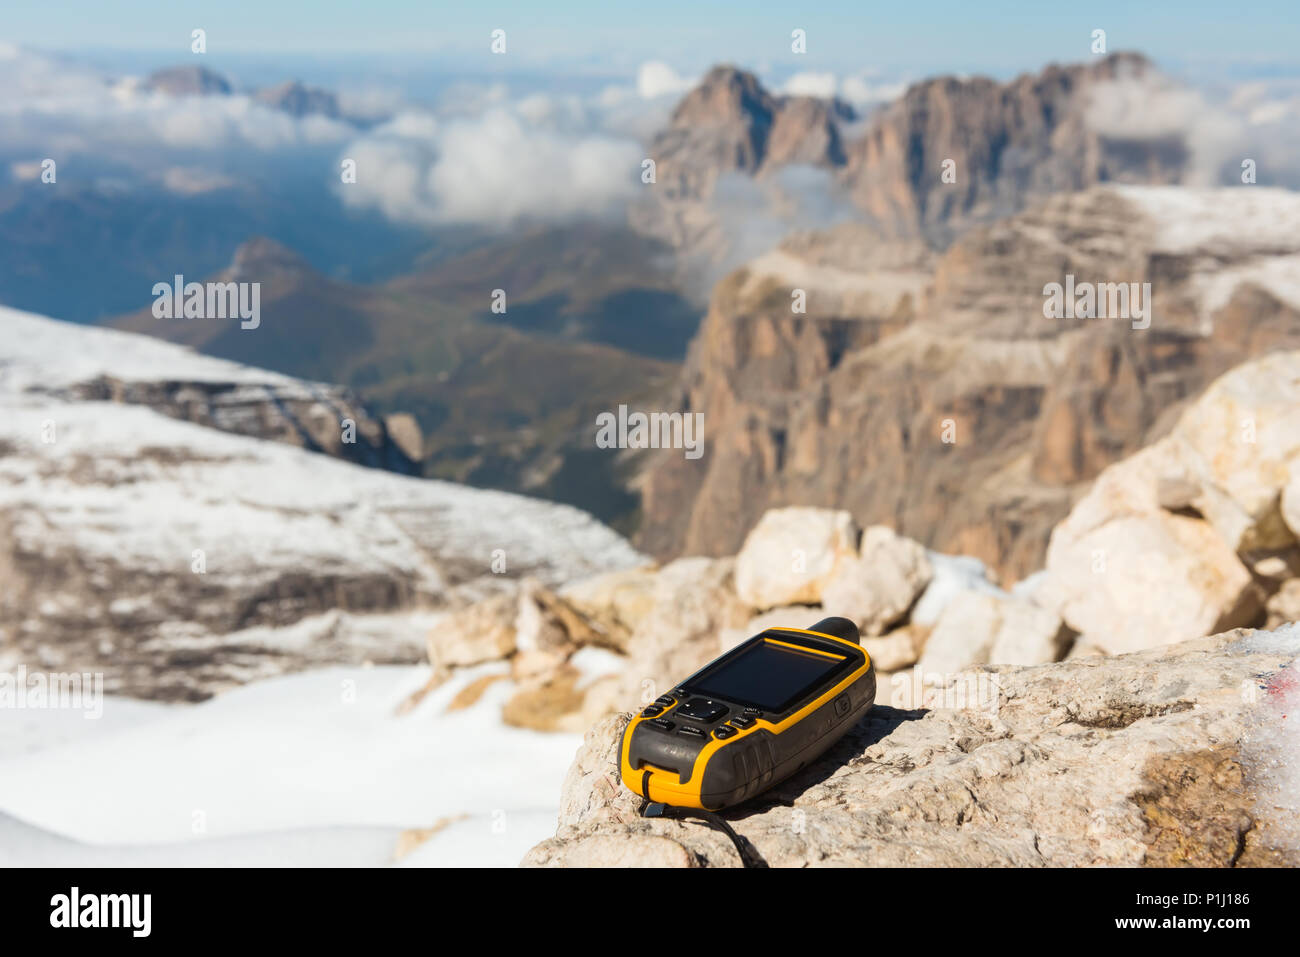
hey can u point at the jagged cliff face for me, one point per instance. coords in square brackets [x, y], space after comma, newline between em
[1006, 145]
[1009, 144]
[731, 123]
[937, 398]
[308, 415]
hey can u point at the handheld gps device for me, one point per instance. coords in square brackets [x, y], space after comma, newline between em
[751, 718]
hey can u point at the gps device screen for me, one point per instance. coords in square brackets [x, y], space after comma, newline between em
[768, 675]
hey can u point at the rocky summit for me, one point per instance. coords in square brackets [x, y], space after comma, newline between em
[1138, 760]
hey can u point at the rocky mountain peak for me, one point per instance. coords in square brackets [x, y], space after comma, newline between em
[1004, 145]
[263, 258]
[723, 123]
[731, 123]
[726, 94]
[298, 100]
[188, 81]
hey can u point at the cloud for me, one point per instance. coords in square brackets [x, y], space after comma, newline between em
[754, 216]
[21, 172]
[187, 181]
[824, 85]
[535, 160]
[369, 102]
[655, 79]
[57, 108]
[1255, 121]
[479, 157]
[860, 90]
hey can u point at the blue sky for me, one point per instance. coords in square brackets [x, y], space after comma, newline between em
[597, 36]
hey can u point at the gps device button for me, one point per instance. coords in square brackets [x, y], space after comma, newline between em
[652, 711]
[702, 709]
[665, 700]
[663, 723]
[742, 722]
[754, 711]
[690, 731]
[724, 732]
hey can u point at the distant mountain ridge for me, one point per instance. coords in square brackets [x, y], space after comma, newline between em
[1008, 144]
[298, 100]
[290, 96]
[188, 81]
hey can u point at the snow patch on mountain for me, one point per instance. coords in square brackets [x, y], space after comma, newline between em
[134, 540]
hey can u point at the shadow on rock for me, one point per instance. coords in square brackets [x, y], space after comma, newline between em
[876, 725]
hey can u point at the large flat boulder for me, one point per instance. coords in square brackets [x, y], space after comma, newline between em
[1154, 758]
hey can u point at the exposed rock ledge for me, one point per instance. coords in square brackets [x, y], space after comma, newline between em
[1178, 755]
